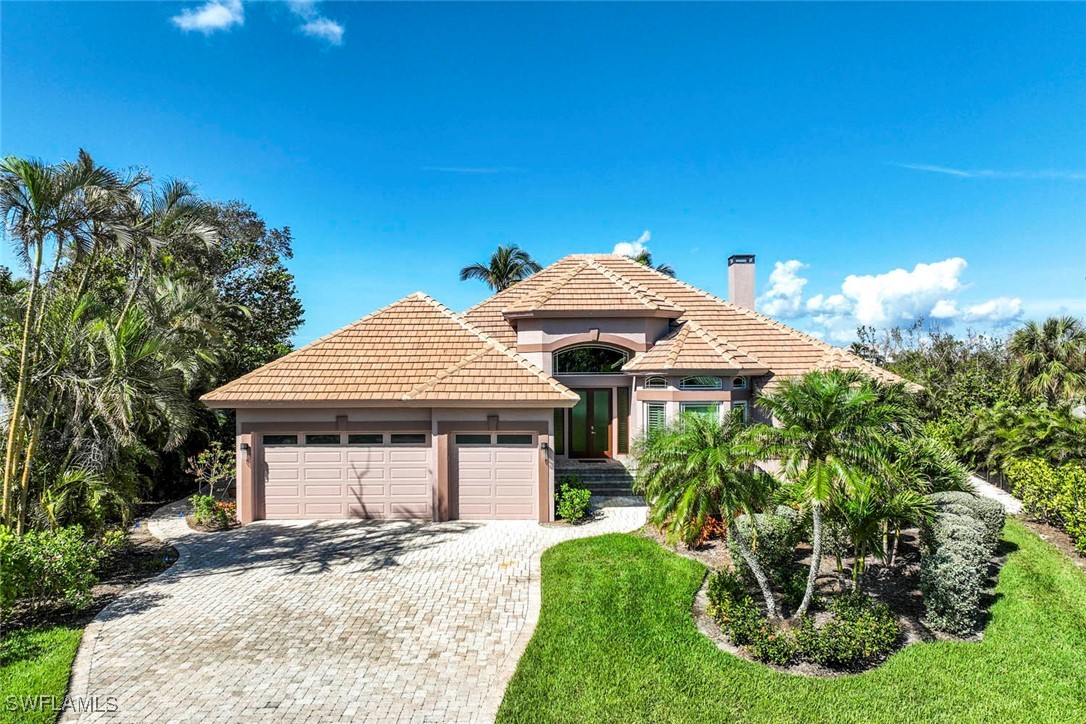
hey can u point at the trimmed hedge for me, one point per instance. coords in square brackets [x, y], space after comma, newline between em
[1055, 495]
[956, 546]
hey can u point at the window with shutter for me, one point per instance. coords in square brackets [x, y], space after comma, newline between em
[655, 416]
[623, 400]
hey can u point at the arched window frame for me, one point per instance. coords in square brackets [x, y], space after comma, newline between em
[655, 383]
[554, 358]
[740, 383]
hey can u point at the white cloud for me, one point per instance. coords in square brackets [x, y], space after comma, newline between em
[315, 24]
[211, 16]
[633, 248]
[785, 295]
[324, 29]
[945, 309]
[995, 311]
[1043, 175]
[900, 296]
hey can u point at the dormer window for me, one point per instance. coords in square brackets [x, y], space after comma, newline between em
[655, 383]
[739, 383]
[701, 383]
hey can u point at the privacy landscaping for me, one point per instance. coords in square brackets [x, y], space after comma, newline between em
[616, 642]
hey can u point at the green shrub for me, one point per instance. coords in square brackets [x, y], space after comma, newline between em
[49, 566]
[773, 541]
[208, 510]
[951, 580]
[774, 645]
[572, 500]
[733, 608]
[1055, 495]
[989, 512]
[860, 630]
[949, 526]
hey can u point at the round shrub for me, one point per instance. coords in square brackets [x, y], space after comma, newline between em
[772, 542]
[859, 631]
[989, 512]
[945, 527]
[733, 608]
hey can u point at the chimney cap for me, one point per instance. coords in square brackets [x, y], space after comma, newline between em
[740, 259]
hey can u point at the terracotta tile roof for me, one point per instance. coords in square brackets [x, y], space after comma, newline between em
[783, 350]
[690, 348]
[412, 350]
[589, 288]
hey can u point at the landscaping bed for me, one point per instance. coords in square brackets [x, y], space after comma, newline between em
[38, 644]
[616, 642]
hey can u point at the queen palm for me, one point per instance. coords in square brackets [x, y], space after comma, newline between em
[645, 257]
[507, 266]
[828, 423]
[700, 468]
[1050, 358]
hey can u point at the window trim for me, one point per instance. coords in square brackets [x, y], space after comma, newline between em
[379, 435]
[393, 441]
[521, 443]
[684, 407]
[264, 438]
[740, 383]
[684, 383]
[655, 378]
[743, 405]
[474, 438]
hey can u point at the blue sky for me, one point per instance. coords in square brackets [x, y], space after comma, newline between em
[849, 143]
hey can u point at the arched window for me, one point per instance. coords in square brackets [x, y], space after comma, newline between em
[739, 383]
[589, 360]
[655, 383]
[700, 383]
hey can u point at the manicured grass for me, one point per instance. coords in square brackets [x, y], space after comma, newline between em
[36, 662]
[616, 642]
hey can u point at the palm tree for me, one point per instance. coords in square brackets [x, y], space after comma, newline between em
[645, 257]
[46, 206]
[508, 265]
[1050, 358]
[700, 468]
[829, 423]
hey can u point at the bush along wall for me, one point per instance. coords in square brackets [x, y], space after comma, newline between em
[1055, 495]
[956, 545]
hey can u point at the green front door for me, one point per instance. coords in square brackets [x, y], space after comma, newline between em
[590, 425]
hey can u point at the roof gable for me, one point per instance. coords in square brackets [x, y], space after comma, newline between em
[689, 348]
[586, 288]
[396, 354]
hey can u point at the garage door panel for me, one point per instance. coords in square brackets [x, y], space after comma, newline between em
[496, 481]
[328, 481]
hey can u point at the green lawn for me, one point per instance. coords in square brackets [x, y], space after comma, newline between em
[616, 642]
[36, 662]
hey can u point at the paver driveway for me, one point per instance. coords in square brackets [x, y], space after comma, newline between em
[326, 621]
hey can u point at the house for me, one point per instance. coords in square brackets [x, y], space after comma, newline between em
[415, 411]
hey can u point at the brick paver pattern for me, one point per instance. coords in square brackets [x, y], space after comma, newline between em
[327, 621]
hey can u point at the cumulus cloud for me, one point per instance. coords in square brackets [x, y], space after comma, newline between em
[211, 16]
[633, 248]
[785, 295]
[216, 15]
[897, 297]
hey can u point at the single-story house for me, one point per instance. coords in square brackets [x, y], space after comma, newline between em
[415, 411]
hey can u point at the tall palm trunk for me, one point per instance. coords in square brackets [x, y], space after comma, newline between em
[755, 568]
[816, 557]
[24, 483]
[11, 457]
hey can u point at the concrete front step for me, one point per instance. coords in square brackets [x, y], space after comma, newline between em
[603, 479]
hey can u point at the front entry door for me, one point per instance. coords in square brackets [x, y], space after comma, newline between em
[590, 425]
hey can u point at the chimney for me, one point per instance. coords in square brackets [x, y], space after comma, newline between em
[741, 280]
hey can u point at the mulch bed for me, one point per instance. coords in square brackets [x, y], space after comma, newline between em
[897, 588]
[142, 558]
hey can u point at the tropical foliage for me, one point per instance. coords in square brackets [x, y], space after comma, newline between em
[645, 257]
[137, 297]
[506, 266]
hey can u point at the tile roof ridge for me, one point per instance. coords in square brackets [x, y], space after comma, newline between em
[540, 296]
[722, 347]
[489, 342]
[643, 294]
[295, 352]
[678, 342]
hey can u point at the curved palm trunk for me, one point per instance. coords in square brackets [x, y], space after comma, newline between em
[755, 568]
[11, 457]
[816, 557]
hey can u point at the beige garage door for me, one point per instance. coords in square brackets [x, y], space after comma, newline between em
[370, 475]
[496, 476]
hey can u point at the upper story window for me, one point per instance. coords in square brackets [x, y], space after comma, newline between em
[700, 383]
[655, 383]
[589, 360]
[739, 383]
